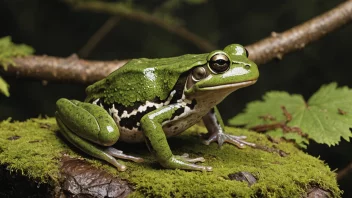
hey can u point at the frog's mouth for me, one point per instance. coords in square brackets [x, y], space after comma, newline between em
[234, 86]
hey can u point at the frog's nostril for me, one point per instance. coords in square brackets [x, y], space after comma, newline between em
[247, 66]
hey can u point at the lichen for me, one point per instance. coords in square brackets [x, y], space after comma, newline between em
[34, 147]
[8, 50]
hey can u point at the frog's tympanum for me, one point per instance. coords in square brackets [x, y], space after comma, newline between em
[153, 99]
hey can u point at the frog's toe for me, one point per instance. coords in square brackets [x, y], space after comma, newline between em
[186, 163]
[119, 154]
[221, 138]
[185, 157]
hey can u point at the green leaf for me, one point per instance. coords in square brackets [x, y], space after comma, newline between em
[4, 87]
[271, 108]
[325, 118]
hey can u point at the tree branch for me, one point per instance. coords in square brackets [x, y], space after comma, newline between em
[70, 69]
[83, 71]
[279, 44]
[344, 172]
[98, 36]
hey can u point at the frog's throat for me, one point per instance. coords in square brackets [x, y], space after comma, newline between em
[234, 86]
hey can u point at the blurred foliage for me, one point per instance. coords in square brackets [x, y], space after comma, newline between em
[4, 87]
[8, 50]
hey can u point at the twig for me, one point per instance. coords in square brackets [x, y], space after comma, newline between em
[138, 15]
[279, 125]
[82, 71]
[70, 69]
[343, 172]
[279, 44]
[98, 36]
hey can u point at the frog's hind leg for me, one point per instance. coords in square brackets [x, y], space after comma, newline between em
[91, 129]
[88, 147]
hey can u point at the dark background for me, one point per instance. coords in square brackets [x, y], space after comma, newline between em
[53, 28]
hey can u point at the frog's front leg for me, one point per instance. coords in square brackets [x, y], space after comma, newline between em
[157, 143]
[89, 127]
[215, 126]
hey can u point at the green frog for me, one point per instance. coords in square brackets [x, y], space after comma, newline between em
[153, 99]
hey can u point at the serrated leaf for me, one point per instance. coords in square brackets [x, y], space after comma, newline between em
[4, 87]
[269, 111]
[325, 118]
[321, 120]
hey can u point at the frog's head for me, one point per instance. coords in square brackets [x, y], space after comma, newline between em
[225, 71]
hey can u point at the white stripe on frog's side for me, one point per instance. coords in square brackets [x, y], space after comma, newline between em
[114, 113]
[147, 104]
[140, 109]
[96, 101]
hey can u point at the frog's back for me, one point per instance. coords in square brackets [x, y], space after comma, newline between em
[142, 80]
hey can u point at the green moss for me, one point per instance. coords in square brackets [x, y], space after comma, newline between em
[37, 151]
[32, 148]
[8, 50]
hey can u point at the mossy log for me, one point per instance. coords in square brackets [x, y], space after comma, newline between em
[36, 161]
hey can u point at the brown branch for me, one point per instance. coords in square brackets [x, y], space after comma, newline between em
[63, 69]
[279, 44]
[98, 36]
[83, 71]
[344, 172]
[138, 15]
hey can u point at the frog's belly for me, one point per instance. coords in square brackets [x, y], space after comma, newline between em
[171, 128]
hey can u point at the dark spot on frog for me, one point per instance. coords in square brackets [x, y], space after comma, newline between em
[15, 137]
[178, 87]
[177, 113]
[149, 145]
[131, 122]
[193, 104]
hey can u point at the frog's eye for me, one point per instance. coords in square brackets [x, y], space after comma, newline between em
[199, 73]
[247, 53]
[219, 63]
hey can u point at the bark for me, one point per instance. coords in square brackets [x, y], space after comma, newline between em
[70, 69]
[296, 38]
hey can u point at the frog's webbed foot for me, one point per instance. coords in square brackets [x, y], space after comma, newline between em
[185, 162]
[119, 154]
[221, 138]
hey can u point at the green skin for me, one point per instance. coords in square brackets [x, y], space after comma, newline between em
[152, 99]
